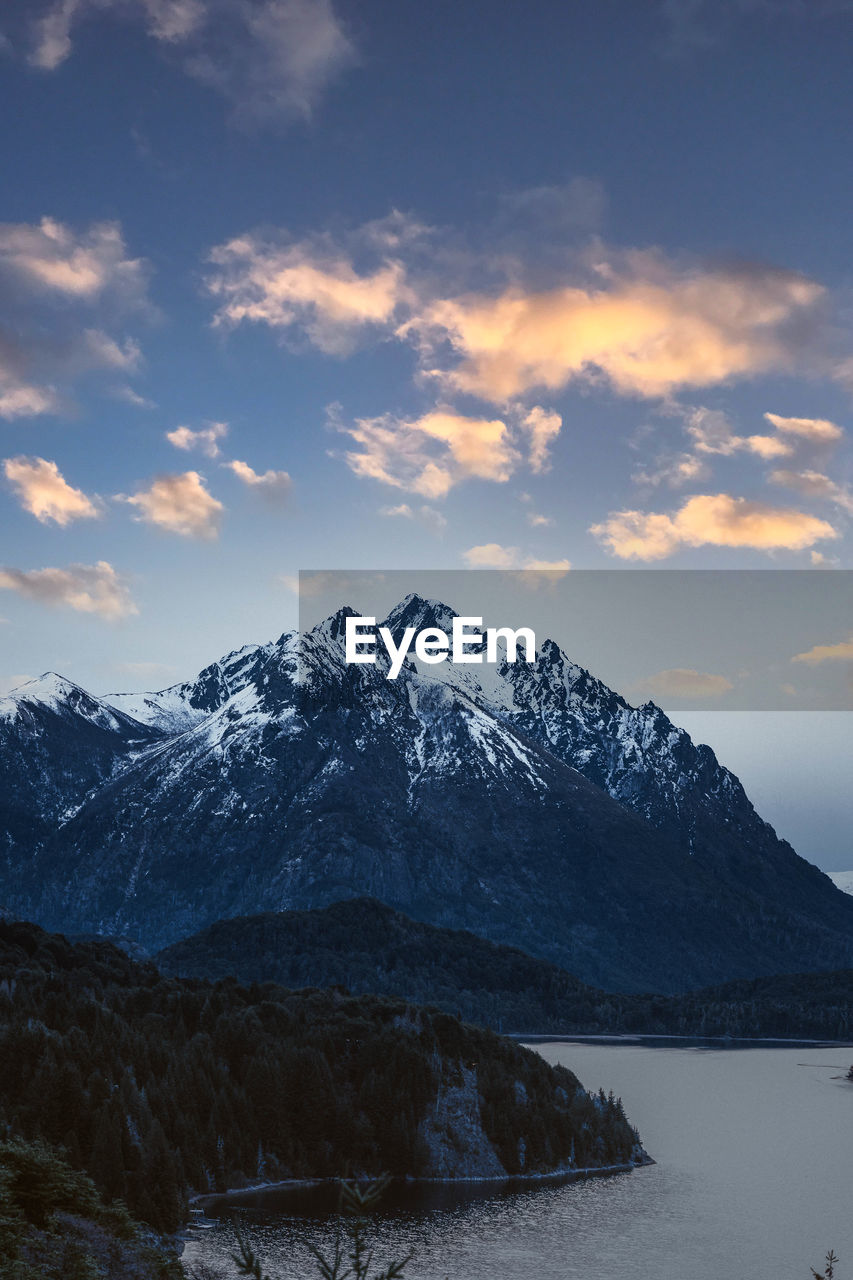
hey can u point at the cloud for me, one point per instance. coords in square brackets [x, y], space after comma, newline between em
[43, 491]
[673, 471]
[129, 396]
[180, 504]
[430, 454]
[649, 330]
[64, 291]
[547, 566]
[491, 555]
[813, 484]
[841, 652]
[817, 430]
[51, 258]
[717, 520]
[425, 515]
[17, 400]
[538, 521]
[712, 433]
[543, 427]
[637, 535]
[559, 209]
[683, 682]
[311, 285]
[167, 20]
[104, 352]
[273, 59]
[88, 588]
[204, 439]
[632, 320]
[273, 485]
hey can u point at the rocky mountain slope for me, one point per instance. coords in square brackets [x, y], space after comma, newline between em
[526, 802]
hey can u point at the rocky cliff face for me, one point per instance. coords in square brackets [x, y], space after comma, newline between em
[526, 802]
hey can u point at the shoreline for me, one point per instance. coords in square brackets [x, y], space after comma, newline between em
[638, 1037]
[203, 1199]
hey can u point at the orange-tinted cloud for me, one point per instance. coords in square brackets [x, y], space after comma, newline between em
[88, 588]
[648, 332]
[841, 652]
[310, 284]
[180, 504]
[543, 427]
[817, 430]
[63, 289]
[429, 517]
[206, 438]
[52, 258]
[22, 400]
[491, 555]
[814, 484]
[430, 454]
[275, 486]
[712, 433]
[684, 682]
[43, 491]
[717, 520]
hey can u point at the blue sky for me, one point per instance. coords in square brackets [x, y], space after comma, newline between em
[288, 284]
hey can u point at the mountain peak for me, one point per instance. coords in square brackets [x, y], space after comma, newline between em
[419, 612]
[60, 696]
[47, 689]
[334, 627]
[527, 801]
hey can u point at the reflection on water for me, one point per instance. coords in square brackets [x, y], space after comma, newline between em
[754, 1177]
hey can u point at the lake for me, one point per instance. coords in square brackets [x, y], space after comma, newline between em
[754, 1177]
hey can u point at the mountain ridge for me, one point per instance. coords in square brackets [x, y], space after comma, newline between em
[527, 802]
[364, 947]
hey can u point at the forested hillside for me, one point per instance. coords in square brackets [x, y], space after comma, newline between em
[54, 1225]
[155, 1086]
[364, 946]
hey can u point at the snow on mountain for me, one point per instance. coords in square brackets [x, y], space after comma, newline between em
[182, 706]
[525, 801]
[60, 697]
[57, 744]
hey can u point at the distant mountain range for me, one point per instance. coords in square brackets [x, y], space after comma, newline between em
[528, 803]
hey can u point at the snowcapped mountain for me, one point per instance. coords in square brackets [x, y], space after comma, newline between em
[57, 743]
[527, 802]
[183, 705]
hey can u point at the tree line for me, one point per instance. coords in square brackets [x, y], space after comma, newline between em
[156, 1086]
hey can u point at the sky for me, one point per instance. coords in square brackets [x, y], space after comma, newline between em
[287, 284]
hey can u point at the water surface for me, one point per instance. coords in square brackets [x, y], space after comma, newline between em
[754, 1177]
